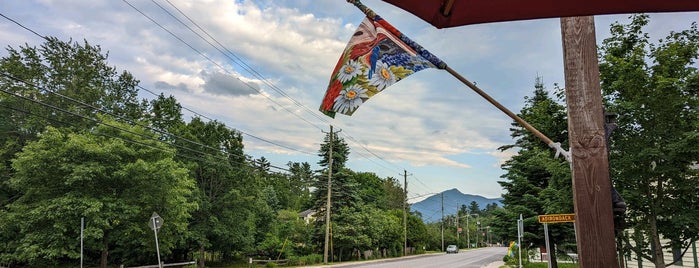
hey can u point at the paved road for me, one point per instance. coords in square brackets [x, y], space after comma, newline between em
[478, 258]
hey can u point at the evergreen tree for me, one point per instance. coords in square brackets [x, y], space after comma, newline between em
[536, 182]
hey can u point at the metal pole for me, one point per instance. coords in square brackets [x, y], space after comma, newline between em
[82, 228]
[157, 248]
[442, 221]
[468, 235]
[520, 233]
[548, 248]
[478, 229]
[489, 237]
[457, 223]
[405, 208]
[694, 253]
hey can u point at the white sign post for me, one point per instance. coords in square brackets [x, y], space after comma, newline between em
[155, 223]
[520, 233]
[82, 233]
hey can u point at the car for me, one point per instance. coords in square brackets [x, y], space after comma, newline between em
[452, 249]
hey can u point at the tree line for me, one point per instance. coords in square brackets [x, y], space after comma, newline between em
[77, 143]
[653, 89]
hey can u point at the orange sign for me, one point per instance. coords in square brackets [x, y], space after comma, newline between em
[556, 218]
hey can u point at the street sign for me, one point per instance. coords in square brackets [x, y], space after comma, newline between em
[155, 221]
[556, 218]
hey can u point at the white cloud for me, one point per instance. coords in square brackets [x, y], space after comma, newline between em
[428, 123]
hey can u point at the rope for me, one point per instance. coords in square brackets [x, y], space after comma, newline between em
[560, 151]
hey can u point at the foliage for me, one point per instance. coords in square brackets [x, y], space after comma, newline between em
[536, 183]
[654, 88]
[78, 143]
[114, 184]
[73, 78]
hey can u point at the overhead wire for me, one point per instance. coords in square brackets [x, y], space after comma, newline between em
[217, 64]
[237, 59]
[149, 91]
[249, 69]
[243, 132]
[252, 71]
[53, 107]
[117, 137]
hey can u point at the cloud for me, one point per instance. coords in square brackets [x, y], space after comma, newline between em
[218, 83]
[268, 77]
[181, 87]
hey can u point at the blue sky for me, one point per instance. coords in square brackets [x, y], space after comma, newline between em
[279, 56]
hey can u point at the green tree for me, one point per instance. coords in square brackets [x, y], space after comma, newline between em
[654, 88]
[344, 190]
[300, 179]
[474, 208]
[70, 77]
[535, 181]
[214, 156]
[114, 177]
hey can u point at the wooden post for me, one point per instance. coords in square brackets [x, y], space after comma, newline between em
[591, 184]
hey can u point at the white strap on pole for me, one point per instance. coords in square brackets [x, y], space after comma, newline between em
[560, 151]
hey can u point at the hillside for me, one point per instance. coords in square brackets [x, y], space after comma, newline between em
[431, 208]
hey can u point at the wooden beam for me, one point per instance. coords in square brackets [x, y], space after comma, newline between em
[590, 166]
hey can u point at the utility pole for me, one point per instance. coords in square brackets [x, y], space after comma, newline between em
[468, 232]
[594, 226]
[457, 223]
[405, 215]
[442, 221]
[327, 204]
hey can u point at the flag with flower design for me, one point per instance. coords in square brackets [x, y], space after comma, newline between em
[376, 57]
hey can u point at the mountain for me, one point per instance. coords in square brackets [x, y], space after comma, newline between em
[431, 208]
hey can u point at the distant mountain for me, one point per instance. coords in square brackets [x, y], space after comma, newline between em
[431, 208]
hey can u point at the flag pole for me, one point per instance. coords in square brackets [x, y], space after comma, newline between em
[502, 108]
[442, 65]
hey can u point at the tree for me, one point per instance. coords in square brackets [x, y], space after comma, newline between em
[214, 156]
[74, 79]
[344, 190]
[473, 208]
[536, 182]
[114, 177]
[654, 89]
[300, 181]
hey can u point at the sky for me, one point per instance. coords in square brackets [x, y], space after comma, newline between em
[262, 68]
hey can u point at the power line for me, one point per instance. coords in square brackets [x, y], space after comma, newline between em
[249, 69]
[149, 91]
[237, 59]
[20, 25]
[243, 132]
[53, 107]
[218, 65]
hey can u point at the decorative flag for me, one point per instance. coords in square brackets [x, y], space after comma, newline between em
[376, 57]
[511, 249]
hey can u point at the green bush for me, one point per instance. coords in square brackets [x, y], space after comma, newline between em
[271, 265]
[305, 260]
[506, 259]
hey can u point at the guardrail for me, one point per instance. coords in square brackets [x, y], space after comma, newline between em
[165, 265]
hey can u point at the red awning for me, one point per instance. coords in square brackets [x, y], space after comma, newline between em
[464, 12]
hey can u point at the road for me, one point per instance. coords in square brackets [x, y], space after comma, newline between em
[476, 258]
